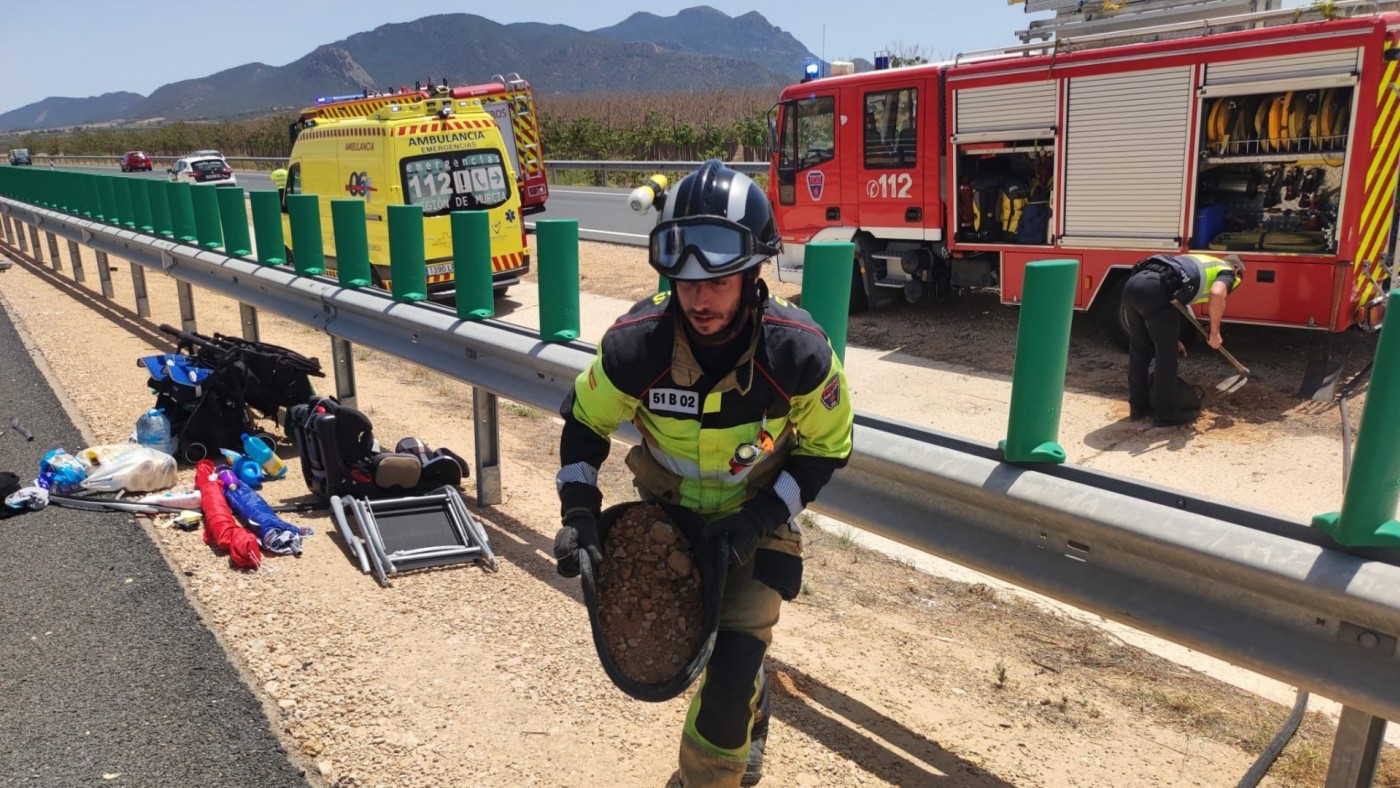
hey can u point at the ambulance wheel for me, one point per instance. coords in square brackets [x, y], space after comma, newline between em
[291, 260]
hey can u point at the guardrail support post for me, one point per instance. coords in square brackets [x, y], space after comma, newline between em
[54, 259]
[9, 234]
[233, 218]
[351, 242]
[186, 292]
[76, 257]
[1042, 355]
[1367, 518]
[1356, 749]
[471, 265]
[486, 420]
[138, 289]
[267, 227]
[556, 242]
[343, 362]
[308, 253]
[206, 216]
[104, 274]
[35, 251]
[408, 273]
[826, 289]
[248, 316]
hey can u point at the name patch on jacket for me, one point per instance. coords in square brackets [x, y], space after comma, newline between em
[673, 400]
[831, 395]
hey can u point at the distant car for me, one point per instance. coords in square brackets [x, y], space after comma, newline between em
[136, 160]
[213, 153]
[203, 169]
[20, 156]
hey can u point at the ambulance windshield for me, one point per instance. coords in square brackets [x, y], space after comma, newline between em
[455, 181]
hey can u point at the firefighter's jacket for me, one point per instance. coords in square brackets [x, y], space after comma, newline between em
[691, 426]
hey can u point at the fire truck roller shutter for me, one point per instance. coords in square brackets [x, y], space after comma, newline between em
[1108, 117]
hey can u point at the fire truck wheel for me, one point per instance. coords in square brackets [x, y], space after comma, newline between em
[860, 298]
[1114, 315]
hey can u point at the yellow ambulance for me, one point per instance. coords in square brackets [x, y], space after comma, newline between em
[422, 147]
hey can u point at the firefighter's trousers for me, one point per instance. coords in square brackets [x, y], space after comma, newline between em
[715, 742]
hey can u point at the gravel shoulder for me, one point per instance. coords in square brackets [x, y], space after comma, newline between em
[886, 675]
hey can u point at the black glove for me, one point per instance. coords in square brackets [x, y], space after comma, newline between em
[743, 530]
[579, 532]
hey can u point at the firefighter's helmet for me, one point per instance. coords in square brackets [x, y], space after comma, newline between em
[715, 222]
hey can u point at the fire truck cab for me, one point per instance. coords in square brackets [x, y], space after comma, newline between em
[1277, 143]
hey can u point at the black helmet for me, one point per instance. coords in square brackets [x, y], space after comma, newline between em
[715, 222]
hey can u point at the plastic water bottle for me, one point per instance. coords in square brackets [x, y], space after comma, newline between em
[153, 431]
[258, 450]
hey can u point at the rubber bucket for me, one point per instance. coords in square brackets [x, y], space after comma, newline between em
[711, 558]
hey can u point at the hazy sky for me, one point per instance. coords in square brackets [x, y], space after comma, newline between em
[138, 45]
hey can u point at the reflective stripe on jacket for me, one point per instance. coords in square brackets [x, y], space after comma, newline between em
[691, 426]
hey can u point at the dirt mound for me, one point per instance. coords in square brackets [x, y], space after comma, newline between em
[649, 596]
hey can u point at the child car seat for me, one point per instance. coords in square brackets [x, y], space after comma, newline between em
[340, 456]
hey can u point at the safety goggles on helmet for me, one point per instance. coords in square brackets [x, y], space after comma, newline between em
[719, 245]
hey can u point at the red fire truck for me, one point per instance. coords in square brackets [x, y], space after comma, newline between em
[511, 102]
[1276, 141]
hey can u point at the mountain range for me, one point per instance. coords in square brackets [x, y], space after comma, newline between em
[697, 49]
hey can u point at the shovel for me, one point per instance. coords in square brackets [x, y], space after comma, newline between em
[1233, 383]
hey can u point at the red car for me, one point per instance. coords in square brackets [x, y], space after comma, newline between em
[136, 160]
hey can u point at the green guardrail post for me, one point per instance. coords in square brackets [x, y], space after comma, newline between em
[351, 242]
[206, 215]
[471, 264]
[557, 263]
[125, 211]
[826, 288]
[408, 271]
[1042, 355]
[87, 189]
[100, 202]
[308, 253]
[233, 218]
[181, 212]
[267, 227]
[159, 198]
[1367, 518]
[141, 204]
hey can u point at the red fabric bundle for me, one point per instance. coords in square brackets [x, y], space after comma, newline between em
[220, 529]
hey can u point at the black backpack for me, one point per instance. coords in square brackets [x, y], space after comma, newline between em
[211, 388]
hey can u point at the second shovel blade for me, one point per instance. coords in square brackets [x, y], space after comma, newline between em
[1232, 384]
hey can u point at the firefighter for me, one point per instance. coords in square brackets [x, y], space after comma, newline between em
[1154, 325]
[744, 415]
[279, 179]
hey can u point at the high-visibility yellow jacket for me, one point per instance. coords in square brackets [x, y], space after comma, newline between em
[788, 382]
[279, 177]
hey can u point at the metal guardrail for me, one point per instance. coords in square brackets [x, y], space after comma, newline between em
[1260, 591]
[746, 167]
